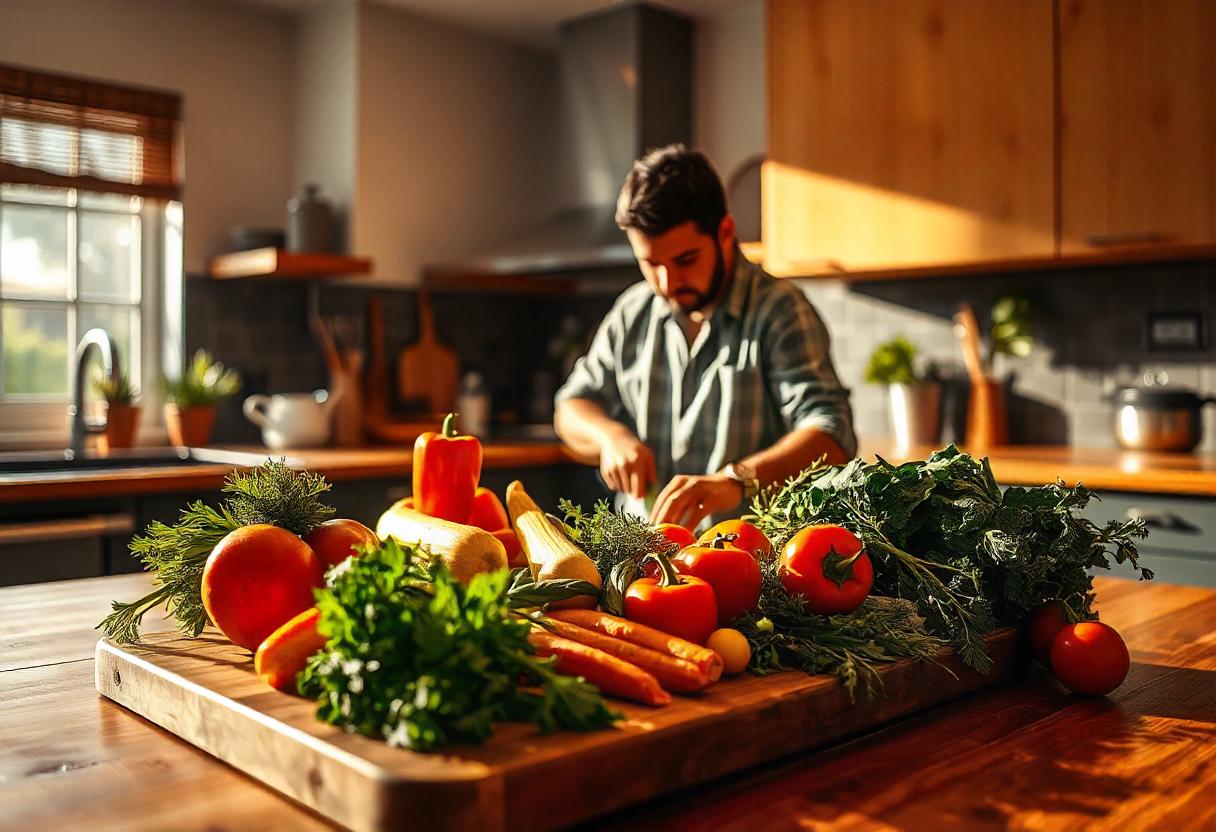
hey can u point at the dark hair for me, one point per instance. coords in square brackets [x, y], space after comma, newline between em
[668, 187]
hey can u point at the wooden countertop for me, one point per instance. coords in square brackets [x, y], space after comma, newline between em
[1028, 755]
[1102, 469]
[336, 464]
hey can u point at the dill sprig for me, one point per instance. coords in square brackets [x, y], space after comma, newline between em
[176, 554]
[617, 542]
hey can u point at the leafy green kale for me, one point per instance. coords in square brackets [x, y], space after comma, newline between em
[942, 534]
[421, 661]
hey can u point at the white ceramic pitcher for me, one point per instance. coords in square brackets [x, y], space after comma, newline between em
[292, 420]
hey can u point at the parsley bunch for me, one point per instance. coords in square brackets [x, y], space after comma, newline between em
[942, 534]
[419, 660]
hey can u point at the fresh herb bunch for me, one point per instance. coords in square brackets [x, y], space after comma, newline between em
[271, 493]
[784, 635]
[421, 661]
[942, 534]
[203, 382]
[617, 542]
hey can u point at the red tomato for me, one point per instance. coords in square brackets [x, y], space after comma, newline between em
[336, 540]
[826, 565]
[677, 534]
[749, 538]
[1090, 658]
[733, 574]
[256, 579]
[678, 605]
[1042, 629]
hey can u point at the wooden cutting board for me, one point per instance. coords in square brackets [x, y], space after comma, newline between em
[428, 370]
[205, 691]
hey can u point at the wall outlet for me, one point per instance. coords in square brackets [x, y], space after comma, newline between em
[1175, 331]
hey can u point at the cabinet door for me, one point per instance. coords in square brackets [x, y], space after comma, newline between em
[904, 134]
[1138, 123]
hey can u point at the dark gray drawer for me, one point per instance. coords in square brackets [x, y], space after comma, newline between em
[1176, 524]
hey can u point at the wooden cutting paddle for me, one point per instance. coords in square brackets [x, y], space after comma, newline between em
[428, 370]
[987, 425]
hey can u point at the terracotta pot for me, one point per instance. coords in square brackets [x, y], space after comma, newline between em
[122, 421]
[189, 426]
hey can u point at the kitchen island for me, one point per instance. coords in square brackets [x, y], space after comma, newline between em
[1027, 754]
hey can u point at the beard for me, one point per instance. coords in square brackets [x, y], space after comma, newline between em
[690, 300]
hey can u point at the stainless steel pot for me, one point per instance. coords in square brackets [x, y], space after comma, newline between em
[1158, 419]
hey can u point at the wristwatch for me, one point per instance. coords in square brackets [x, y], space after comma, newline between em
[745, 475]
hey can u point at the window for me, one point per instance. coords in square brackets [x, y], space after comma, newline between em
[89, 237]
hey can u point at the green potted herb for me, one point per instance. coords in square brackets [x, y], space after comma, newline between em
[122, 412]
[914, 398]
[190, 399]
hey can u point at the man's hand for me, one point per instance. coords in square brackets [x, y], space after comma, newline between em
[688, 500]
[626, 464]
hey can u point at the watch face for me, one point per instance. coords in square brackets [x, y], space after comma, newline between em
[739, 471]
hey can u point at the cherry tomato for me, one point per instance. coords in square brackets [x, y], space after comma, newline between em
[1090, 658]
[827, 566]
[1042, 629]
[733, 573]
[749, 538]
[680, 535]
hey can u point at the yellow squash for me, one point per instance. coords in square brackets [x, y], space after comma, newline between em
[467, 550]
[550, 553]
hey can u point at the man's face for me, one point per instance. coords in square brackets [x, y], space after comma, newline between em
[682, 264]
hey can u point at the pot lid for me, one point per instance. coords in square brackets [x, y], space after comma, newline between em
[1157, 397]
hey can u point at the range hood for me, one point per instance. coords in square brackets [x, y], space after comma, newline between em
[626, 87]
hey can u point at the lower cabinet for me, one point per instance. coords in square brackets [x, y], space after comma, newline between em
[1181, 543]
[56, 541]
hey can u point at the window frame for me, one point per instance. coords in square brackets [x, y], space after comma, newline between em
[41, 421]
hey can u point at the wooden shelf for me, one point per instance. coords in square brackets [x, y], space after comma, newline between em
[276, 262]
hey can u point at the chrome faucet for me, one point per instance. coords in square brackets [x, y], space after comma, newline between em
[100, 339]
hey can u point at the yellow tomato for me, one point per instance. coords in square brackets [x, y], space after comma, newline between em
[732, 646]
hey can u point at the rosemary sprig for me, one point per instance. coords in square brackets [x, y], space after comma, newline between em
[176, 554]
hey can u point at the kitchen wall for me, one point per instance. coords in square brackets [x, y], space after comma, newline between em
[456, 137]
[1090, 330]
[232, 64]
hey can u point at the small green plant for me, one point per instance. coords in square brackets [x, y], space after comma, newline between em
[115, 390]
[204, 382]
[893, 362]
[1012, 330]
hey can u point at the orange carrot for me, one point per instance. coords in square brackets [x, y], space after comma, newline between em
[706, 660]
[285, 651]
[608, 673]
[673, 674]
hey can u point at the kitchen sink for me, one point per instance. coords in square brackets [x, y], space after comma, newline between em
[53, 464]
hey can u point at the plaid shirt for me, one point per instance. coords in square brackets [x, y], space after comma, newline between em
[759, 368]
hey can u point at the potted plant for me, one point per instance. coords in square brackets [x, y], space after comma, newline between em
[122, 413]
[914, 398]
[190, 399]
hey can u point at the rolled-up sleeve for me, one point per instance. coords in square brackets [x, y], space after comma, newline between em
[800, 375]
[594, 374]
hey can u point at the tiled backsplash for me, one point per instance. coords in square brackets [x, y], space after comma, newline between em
[1090, 330]
[1089, 323]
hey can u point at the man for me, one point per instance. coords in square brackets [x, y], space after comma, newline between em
[709, 380]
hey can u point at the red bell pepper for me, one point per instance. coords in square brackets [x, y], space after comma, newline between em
[488, 512]
[447, 468]
[828, 566]
[678, 605]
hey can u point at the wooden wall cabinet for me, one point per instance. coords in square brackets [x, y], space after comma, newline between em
[908, 134]
[935, 136]
[1137, 123]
